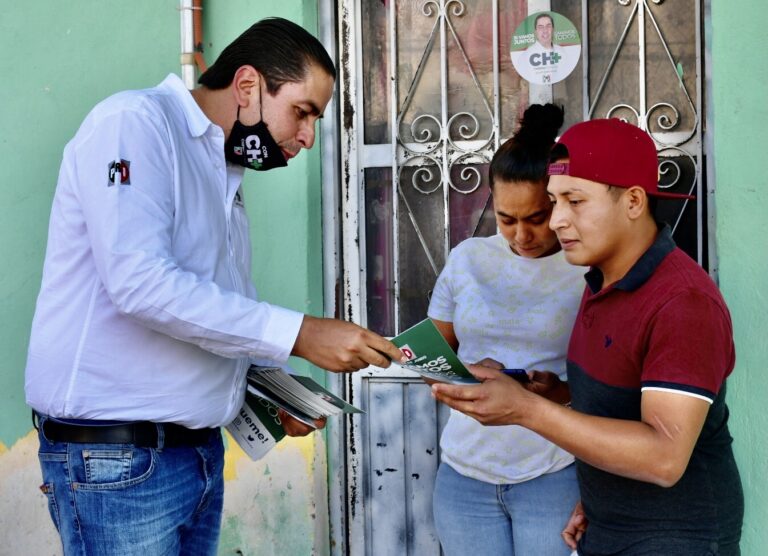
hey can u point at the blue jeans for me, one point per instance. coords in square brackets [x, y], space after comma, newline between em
[119, 499]
[523, 519]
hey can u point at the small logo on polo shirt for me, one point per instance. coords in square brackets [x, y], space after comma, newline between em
[608, 341]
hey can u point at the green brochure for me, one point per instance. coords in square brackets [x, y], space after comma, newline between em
[257, 428]
[430, 355]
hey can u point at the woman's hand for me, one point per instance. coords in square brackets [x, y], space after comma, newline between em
[490, 363]
[548, 385]
[575, 527]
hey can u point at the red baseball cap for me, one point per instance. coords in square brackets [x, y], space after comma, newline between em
[612, 152]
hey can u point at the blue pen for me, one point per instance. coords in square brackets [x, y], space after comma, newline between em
[520, 375]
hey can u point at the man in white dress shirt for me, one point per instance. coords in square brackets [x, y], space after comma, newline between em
[147, 319]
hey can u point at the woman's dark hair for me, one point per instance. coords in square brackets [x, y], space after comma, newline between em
[525, 156]
[279, 49]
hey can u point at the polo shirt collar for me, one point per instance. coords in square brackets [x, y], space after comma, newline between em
[642, 270]
[197, 122]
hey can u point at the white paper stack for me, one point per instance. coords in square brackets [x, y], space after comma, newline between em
[300, 396]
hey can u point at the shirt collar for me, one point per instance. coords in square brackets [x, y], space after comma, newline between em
[642, 270]
[197, 122]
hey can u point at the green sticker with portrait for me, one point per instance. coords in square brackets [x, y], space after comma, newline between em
[545, 48]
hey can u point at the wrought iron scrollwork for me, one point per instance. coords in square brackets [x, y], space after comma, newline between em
[422, 134]
[670, 174]
[469, 175]
[669, 118]
[427, 176]
[438, 140]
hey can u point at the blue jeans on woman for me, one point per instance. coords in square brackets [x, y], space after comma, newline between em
[522, 519]
[120, 499]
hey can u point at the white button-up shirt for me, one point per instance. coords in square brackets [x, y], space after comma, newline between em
[147, 310]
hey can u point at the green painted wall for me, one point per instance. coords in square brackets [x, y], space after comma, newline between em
[739, 81]
[59, 59]
[57, 62]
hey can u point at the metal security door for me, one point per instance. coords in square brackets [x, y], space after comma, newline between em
[421, 109]
[428, 92]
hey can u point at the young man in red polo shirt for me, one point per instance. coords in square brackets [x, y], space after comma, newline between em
[650, 351]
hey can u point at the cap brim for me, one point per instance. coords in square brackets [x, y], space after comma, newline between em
[664, 195]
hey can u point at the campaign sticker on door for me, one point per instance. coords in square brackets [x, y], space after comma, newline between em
[545, 48]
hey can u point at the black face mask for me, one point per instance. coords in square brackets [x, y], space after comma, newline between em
[253, 146]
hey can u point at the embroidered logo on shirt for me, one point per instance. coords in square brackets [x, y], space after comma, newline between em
[122, 166]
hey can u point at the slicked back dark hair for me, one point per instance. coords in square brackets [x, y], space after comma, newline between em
[279, 49]
[525, 156]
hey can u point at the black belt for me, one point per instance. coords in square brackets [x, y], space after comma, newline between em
[141, 433]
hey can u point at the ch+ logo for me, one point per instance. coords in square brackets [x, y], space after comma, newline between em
[544, 59]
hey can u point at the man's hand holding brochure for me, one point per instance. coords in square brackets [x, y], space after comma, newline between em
[271, 390]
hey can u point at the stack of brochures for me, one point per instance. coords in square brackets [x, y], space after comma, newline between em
[300, 396]
[257, 427]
